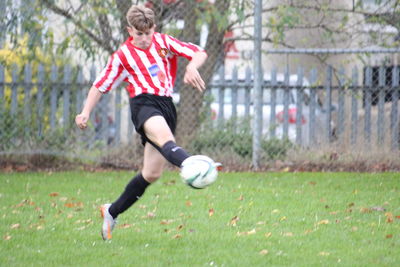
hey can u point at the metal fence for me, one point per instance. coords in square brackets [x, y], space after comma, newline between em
[300, 112]
[315, 103]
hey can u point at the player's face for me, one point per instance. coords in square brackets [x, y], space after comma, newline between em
[141, 39]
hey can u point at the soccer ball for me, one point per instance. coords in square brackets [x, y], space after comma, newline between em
[199, 171]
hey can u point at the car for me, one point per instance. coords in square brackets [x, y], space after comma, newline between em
[223, 109]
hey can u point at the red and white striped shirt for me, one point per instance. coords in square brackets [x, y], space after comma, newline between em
[151, 70]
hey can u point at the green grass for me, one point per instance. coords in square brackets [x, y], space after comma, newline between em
[293, 219]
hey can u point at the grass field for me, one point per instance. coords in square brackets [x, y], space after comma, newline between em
[244, 219]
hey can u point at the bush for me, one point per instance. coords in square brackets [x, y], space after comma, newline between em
[238, 138]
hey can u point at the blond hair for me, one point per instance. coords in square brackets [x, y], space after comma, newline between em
[140, 17]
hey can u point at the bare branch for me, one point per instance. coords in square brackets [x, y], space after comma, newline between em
[101, 42]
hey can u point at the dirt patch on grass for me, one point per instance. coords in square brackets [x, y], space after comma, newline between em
[331, 163]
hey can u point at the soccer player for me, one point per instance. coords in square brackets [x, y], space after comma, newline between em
[147, 61]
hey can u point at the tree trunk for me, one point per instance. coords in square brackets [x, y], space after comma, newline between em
[191, 100]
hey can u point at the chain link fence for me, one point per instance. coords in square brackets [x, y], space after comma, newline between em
[317, 105]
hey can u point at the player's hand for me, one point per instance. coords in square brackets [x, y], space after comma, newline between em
[192, 77]
[81, 120]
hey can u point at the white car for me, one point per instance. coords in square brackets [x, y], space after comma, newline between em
[244, 107]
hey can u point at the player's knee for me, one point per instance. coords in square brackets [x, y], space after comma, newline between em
[152, 175]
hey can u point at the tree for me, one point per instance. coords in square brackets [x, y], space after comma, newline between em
[98, 27]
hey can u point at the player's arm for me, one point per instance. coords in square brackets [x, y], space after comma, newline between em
[192, 75]
[93, 97]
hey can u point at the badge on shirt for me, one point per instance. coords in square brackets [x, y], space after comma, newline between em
[162, 52]
[153, 70]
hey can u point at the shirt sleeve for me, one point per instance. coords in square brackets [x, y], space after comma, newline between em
[180, 48]
[111, 76]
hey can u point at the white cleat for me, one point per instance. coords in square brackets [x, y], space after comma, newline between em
[108, 222]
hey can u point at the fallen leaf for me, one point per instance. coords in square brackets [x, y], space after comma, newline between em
[210, 212]
[289, 234]
[189, 203]
[263, 252]
[15, 226]
[378, 208]
[180, 227]
[350, 204]
[397, 216]
[54, 194]
[282, 218]
[365, 210]
[125, 226]
[389, 236]
[165, 222]
[73, 204]
[6, 237]
[323, 222]
[389, 217]
[151, 215]
[251, 232]
[268, 235]
[312, 183]
[240, 198]
[176, 236]
[234, 221]
[324, 253]
[275, 211]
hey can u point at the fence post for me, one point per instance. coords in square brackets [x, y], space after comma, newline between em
[66, 95]
[367, 106]
[354, 107]
[381, 105]
[248, 85]
[341, 108]
[53, 96]
[299, 105]
[286, 97]
[328, 103]
[258, 75]
[14, 88]
[118, 116]
[79, 86]
[313, 104]
[39, 100]
[2, 102]
[27, 97]
[234, 94]
[221, 96]
[272, 119]
[394, 125]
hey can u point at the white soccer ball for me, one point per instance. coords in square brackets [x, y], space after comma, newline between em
[199, 171]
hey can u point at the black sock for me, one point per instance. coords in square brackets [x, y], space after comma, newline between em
[133, 191]
[173, 153]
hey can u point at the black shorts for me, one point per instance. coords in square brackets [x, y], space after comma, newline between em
[145, 106]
